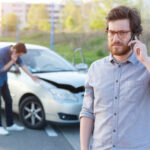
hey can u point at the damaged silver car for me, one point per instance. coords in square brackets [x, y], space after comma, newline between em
[56, 98]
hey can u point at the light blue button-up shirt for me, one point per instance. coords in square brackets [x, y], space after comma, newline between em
[117, 98]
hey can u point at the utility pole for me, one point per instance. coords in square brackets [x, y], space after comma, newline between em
[6, 27]
[18, 30]
[0, 28]
[52, 26]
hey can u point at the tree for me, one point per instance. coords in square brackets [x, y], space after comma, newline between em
[143, 8]
[9, 22]
[69, 22]
[71, 16]
[44, 25]
[37, 12]
[99, 10]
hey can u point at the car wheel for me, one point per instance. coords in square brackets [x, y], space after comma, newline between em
[32, 113]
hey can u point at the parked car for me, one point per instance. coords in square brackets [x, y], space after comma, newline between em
[56, 98]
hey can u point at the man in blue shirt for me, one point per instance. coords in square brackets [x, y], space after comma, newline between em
[9, 56]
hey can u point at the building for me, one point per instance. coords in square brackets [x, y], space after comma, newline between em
[21, 10]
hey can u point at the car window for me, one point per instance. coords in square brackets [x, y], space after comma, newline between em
[45, 61]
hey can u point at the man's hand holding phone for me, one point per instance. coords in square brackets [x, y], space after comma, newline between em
[14, 57]
[140, 50]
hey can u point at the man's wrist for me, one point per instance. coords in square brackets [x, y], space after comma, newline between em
[84, 147]
[146, 62]
[12, 62]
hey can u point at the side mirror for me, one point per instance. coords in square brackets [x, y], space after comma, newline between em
[14, 69]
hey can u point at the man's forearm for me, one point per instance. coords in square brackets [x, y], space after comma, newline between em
[86, 128]
[35, 78]
[26, 70]
[8, 65]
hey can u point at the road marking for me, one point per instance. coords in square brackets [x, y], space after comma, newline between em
[72, 136]
[50, 131]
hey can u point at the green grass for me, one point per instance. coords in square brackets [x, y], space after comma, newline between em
[92, 44]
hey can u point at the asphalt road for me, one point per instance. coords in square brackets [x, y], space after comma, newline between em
[51, 138]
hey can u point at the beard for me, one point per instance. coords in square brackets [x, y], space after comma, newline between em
[119, 48]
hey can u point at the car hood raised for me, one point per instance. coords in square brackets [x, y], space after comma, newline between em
[76, 79]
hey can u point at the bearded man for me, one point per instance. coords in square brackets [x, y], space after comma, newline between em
[116, 106]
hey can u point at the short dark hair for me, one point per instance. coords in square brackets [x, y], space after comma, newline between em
[20, 48]
[124, 12]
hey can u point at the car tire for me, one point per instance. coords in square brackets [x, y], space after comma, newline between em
[32, 113]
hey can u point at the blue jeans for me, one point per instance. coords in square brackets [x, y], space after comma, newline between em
[5, 93]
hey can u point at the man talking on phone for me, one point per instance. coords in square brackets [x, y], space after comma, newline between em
[9, 56]
[116, 106]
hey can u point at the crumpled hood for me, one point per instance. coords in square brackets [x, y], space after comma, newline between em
[76, 79]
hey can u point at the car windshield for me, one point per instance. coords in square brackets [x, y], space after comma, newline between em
[40, 61]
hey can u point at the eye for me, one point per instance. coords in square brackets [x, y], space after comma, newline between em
[122, 33]
[112, 32]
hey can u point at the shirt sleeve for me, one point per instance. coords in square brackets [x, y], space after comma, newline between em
[20, 62]
[88, 101]
[1, 65]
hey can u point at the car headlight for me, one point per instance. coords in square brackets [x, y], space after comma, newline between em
[46, 85]
[63, 95]
[59, 94]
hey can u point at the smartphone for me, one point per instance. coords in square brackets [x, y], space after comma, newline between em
[132, 38]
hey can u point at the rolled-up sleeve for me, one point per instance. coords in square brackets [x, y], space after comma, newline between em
[88, 101]
[20, 62]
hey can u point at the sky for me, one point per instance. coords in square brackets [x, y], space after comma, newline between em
[40, 1]
[56, 1]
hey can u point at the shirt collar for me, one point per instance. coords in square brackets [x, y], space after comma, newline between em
[132, 59]
[111, 59]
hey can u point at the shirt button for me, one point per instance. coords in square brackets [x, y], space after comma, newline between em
[119, 66]
[116, 97]
[114, 146]
[115, 114]
[114, 130]
[116, 81]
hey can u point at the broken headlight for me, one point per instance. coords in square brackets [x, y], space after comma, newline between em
[61, 94]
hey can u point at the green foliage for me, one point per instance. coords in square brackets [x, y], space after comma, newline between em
[44, 25]
[71, 19]
[98, 20]
[9, 21]
[101, 52]
[88, 16]
[26, 28]
[69, 22]
[99, 11]
[143, 8]
[36, 14]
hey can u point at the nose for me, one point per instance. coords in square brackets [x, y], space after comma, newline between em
[116, 38]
